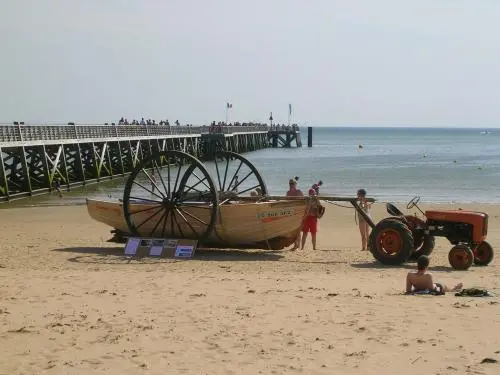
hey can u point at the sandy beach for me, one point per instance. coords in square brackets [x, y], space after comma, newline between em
[71, 303]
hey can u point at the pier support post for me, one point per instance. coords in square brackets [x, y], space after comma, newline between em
[4, 184]
[309, 136]
[26, 171]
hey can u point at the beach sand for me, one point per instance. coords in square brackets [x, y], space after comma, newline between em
[71, 303]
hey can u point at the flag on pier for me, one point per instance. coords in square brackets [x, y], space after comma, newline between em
[229, 105]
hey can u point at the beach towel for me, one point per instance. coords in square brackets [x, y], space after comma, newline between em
[439, 291]
[474, 292]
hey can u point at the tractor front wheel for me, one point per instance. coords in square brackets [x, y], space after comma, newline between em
[483, 254]
[391, 242]
[461, 257]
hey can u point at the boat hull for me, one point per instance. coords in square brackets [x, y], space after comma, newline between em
[272, 224]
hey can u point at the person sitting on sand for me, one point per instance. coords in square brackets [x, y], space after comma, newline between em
[422, 280]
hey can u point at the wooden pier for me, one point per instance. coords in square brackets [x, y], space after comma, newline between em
[34, 157]
[284, 136]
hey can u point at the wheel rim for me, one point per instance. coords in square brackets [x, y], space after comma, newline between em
[460, 257]
[235, 176]
[170, 194]
[390, 241]
[483, 252]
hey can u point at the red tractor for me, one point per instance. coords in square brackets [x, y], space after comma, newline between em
[398, 238]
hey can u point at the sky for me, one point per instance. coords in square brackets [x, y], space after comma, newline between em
[339, 63]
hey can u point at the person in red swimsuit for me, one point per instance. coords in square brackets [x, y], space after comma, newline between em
[311, 220]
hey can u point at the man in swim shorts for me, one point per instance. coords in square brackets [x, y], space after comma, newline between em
[422, 280]
[311, 220]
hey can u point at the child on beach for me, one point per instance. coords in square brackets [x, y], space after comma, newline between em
[364, 228]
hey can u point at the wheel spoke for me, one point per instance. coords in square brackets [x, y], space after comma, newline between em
[157, 224]
[187, 222]
[144, 210]
[177, 178]
[193, 216]
[218, 174]
[149, 218]
[253, 187]
[172, 224]
[164, 224]
[153, 182]
[145, 188]
[168, 178]
[240, 182]
[234, 176]
[201, 180]
[223, 187]
[161, 178]
[145, 199]
[193, 188]
[177, 223]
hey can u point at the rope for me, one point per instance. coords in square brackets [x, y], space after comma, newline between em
[341, 205]
[336, 204]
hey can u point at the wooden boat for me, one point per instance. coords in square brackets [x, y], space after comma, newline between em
[240, 224]
[171, 194]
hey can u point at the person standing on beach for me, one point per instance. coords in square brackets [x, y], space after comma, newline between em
[294, 192]
[364, 228]
[311, 220]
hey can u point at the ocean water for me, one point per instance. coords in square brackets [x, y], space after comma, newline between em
[393, 165]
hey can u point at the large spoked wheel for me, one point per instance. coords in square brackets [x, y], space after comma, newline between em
[236, 177]
[413, 202]
[461, 257]
[170, 195]
[483, 254]
[391, 242]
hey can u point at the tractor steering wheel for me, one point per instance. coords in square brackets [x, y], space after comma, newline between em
[413, 202]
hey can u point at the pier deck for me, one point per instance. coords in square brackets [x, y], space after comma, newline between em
[34, 157]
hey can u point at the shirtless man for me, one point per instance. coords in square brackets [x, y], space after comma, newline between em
[294, 192]
[422, 280]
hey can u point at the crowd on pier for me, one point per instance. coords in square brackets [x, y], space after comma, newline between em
[215, 127]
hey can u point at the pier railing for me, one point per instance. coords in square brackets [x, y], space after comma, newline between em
[27, 133]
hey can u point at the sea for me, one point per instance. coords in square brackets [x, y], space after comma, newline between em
[441, 165]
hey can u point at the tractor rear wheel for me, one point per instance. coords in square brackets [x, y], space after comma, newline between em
[461, 257]
[391, 242]
[483, 254]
